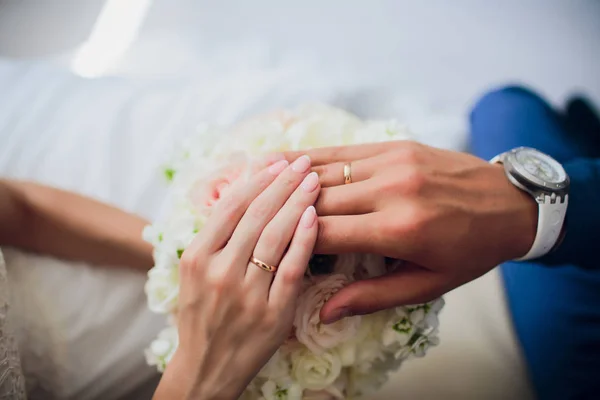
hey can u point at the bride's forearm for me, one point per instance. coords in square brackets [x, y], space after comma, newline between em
[50, 221]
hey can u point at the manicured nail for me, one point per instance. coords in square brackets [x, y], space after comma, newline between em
[301, 164]
[336, 315]
[310, 182]
[279, 166]
[309, 217]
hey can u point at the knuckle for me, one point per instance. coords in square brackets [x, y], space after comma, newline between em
[298, 203]
[389, 187]
[416, 220]
[259, 210]
[324, 171]
[218, 281]
[322, 230]
[230, 205]
[392, 230]
[271, 240]
[290, 181]
[412, 224]
[269, 322]
[320, 169]
[408, 152]
[291, 277]
[323, 234]
[413, 181]
[411, 221]
[263, 180]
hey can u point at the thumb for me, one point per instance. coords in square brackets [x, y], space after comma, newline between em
[411, 284]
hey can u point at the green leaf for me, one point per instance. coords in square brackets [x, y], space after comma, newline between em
[179, 253]
[169, 174]
[281, 393]
[402, 326]
[414, 339]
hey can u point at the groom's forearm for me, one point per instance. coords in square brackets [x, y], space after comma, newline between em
[50, 221]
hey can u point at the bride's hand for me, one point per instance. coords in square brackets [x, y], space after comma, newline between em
[233, 315]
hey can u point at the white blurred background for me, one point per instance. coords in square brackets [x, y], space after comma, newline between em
[446, 51]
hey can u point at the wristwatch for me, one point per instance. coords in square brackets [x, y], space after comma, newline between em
[548, 183]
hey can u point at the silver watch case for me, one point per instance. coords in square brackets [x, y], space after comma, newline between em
[530, 183]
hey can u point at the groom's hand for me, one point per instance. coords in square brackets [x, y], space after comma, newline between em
[451, 216]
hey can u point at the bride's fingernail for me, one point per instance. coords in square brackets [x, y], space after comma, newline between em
[309, 217]
[279, 166]
[310, 183]
[302, 164]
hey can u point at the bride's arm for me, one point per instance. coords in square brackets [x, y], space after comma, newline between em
[50, 221]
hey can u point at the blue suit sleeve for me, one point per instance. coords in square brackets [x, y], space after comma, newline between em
[581, 242]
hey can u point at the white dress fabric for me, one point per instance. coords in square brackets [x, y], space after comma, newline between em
[82, 329]
[12, 382]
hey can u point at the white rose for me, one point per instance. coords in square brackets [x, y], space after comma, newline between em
[180, 229]
[152, 235]
[164, 259]
[162, 289]
[333, 392]
[276, 391]
[319, 125]
[381, 131]
[315, 335]
[161, 350]
[252, 391]
[265, 133]
[366, 346]
[315, 372]
[173, 237]
[347, 352]
[276, 369]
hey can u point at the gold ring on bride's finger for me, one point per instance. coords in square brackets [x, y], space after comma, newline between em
[347, 173]
[262, 265]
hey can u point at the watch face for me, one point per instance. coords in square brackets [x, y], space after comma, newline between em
[539, 166]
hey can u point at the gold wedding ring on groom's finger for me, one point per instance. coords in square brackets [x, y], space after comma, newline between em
[347, 173]
[263, 265]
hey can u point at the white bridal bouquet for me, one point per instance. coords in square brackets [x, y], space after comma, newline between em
[345, 360]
